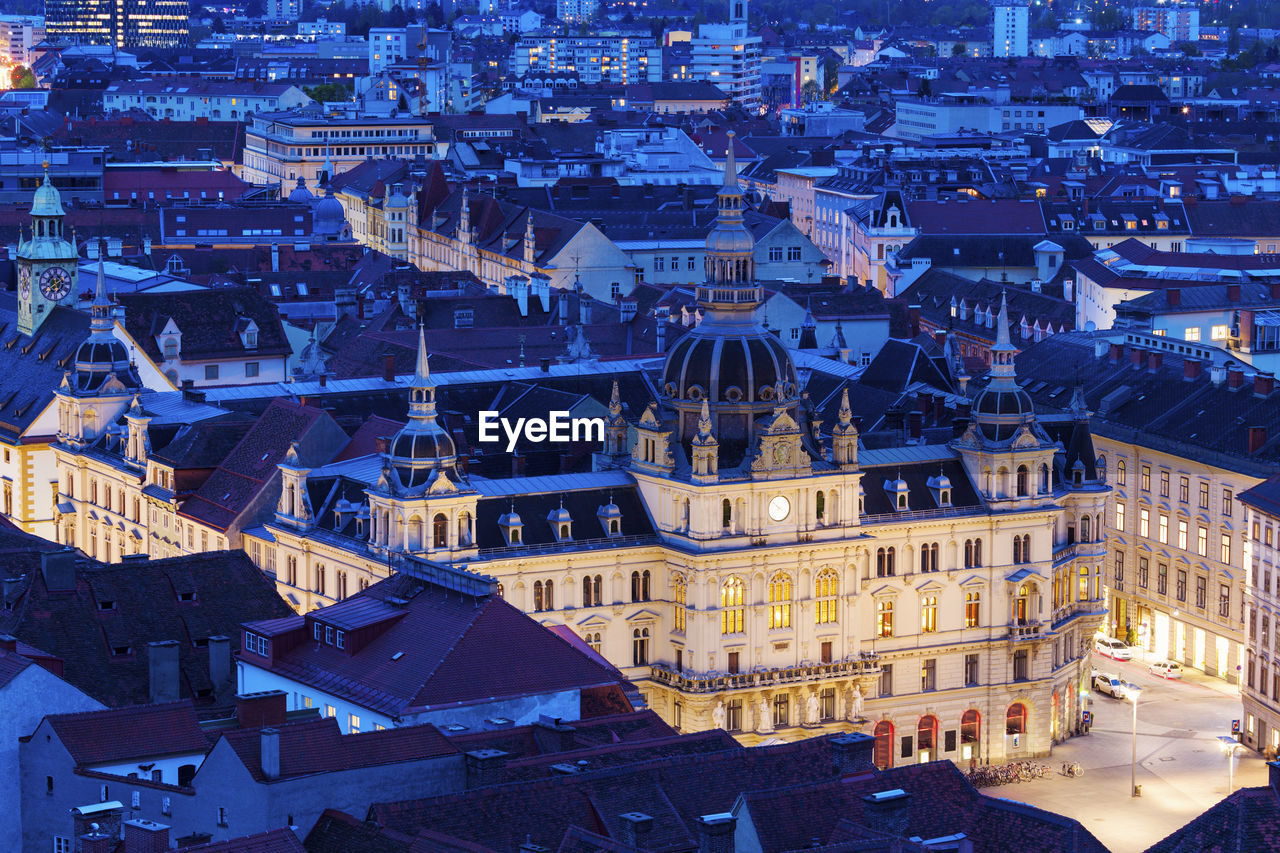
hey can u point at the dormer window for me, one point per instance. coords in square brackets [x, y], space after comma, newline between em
[561, 524]
[248, 333]
[940, 486]
[170, 349]
[610, 519]
[897, 490]
[512, 527]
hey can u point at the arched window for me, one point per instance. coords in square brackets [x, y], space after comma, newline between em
[640, 646]
[1085, 532]
[927, 736]
[564, 533]
[884, 562]
[679, 598]
[780, 601]
[977, 553]
[1023, 484]
[1102, 467]
[414, 532]
[538, 600]
[929, 557]
[1017, 549]
[732, 610]
[972, 609]
[548, 596]
[1044, 479]
[1015, 719]
[439, 530]
[884, 617]
[588, 596]
[970, 729]
[883, 754]
[929, 614]
[640, 586]
[1020, 605]
[825, 590]
[464, 529]
[726, 514]
[1120, 472]
[820, 507]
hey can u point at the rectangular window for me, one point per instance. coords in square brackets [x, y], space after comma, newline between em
[1162, 579]
[1119, 516]
[353, 724]
[1224, 601]
[250, 369]
[1182, 535]
[1164, 529]
[211, 371]
[972, 607]
[1180, 591]
[330, 711]
[733, 715]
[1204, 495]
[1193, 333]
[775, 253]
[1184, 489]
[1119, 571]
[1020, 665]
[1144, 522]
[793, 253]
[1142, 572]
[970, 670]
[1164, 484]
[1225, 548]
[929, 675]
[885, 688]
[1219, 333]
[1226, 503]
[1146, 478]
[1202, 591]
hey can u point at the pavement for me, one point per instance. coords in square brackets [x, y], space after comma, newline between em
[1181, 767]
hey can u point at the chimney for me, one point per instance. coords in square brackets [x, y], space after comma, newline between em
[1174, 296]
[388, 368]
[913, 319]
[1235, 377]
[12, 587]
[1275, 290]
[96, 841]
[261, 709]
[486, 767]
[851, 753]
[939, 408]
[219, 661]
[59, 569]
[1154, 360]
[324, 379]
[715, 833]
[1233, 293]
[381, 443]
[270, 741]
[552, 735]
[546, 365]
[518, 464]
[915, 424]
[162, 665]
[145, 836]
[635, 829]
[8, 643]
[1217, 373]
[1117, 350]
[1191, 368]
[1257, 438]
[940, 337]
[1264, 384]
[1135, 357]
[886, 811]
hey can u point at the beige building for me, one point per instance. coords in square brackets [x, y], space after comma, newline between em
[1260, 727]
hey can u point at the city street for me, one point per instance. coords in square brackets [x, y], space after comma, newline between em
[1181, 766]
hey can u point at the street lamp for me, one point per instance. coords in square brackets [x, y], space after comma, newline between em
[1229, 747]
[1132, 692]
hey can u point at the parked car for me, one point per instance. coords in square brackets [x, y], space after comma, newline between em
[1105, 682]
[1112, 648]
[1166, 669]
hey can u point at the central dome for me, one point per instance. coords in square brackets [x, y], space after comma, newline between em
[999, 412]
[743, 367]
[422, 447]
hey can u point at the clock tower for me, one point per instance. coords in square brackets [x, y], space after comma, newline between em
[47, 262]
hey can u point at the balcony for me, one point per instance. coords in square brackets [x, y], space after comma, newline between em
[867, 664]
[1029, 631]
[1071, 550]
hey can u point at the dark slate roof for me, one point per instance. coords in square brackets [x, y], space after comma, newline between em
[207, 320]
[936, 289]
[1156, 408]
[457, 649]
[202, 444]
[581, 506]
[976, 217]
[339, 832]
[319, 746]
[999, 250]
[1265, 496]
[917, 475]
[227, 588]
[1247, 820]
[901, 363]
[31, 369]
[272, 841]
[1234, 217]
[138, 731]
[535, 740]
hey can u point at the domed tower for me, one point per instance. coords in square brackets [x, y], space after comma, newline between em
[104, 379]
[740, 370]
[300, 194]
[421, 503]
[48, 264]
[1002, 407]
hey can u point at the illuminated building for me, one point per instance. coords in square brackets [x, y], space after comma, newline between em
[124, 24]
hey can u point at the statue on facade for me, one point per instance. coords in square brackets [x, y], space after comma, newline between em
[765, 725]
[718, 716]
[855, 704]
[811, 710]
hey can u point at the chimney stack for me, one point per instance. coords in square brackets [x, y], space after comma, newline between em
[1235, 377]
[1233, 293]
[1275, 290]
[852, 752]
[915, 424]
[486, 767]
[219, 661]
[545, 365]
[1264, 384]
[1154, 360]
[1115, 352]
[96, 841]
[59, 569]
[270, 754]
[635, 829]
[1191, 368]
[388, 368]
[715, 833]
[1257, 438]
[1174, 296]
[913, 319]
[1135, 357]
[145, 836]
[267, 708]
[162, 665]
[940, 337]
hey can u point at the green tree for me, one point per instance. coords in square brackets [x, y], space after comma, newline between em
[958, 49]
[22, 78]
[811, 91]
[327, 92]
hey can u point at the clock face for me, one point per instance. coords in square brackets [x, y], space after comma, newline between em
[24, 282]
[779, 508]
[55, 283]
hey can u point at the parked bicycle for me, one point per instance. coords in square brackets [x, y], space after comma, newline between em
[1072, 768]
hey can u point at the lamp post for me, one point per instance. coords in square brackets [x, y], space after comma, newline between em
[1132, 692]
[1229, 747]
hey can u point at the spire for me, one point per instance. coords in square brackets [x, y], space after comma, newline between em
[1002, 325]
[422, 375]
[100, 312]
[731, 169]
[1002, 353]
[615, 402]
[704, 420]
[846, 413]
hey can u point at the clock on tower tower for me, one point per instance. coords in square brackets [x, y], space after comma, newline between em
[48, 264]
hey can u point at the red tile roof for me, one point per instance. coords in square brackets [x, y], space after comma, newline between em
[140, 731]
[274, 841]
[365, 439]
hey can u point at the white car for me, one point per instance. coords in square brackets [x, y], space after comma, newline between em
[1105, 682]
[1112, 648]
[1166, 669]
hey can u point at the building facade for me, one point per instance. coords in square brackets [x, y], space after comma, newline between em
[727, 56]
[1010, 23]
[1260, 689]
[122, 24]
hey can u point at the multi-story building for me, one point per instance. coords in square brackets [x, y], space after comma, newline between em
[322, 29]
[917, 118]
[1261, 688]
[1010, 22]
[284, 10]
[595, 59]
[18, 34]
[1181, 435]
[1177, 19]
[193, 98]
[122, 24]
[728, 56]
[577, 11]
[285, 146]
